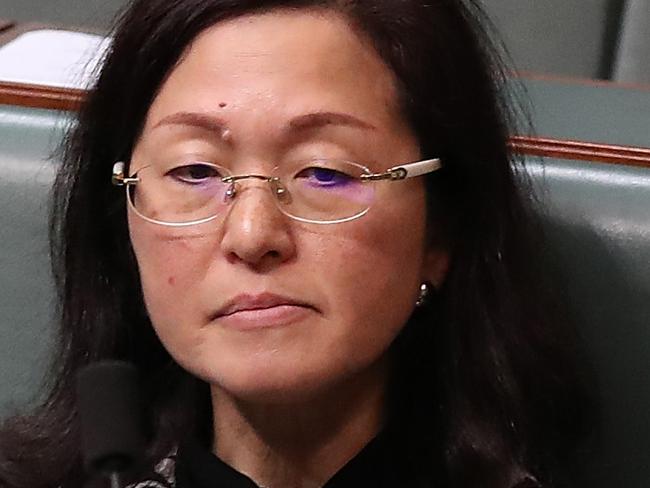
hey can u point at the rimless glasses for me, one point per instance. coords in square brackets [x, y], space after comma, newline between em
[318, 191]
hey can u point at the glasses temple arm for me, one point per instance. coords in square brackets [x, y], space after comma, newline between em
[418, 168]
[408, 170]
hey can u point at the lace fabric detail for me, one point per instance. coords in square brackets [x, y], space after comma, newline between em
[148, 484]
[165, 469]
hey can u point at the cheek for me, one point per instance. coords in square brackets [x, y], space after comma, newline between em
[171, 268]
[374, 281]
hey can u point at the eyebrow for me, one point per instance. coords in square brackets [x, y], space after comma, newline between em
[301, 123]
[317, 120]
[195, 119]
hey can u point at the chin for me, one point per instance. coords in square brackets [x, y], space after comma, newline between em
[272, 383]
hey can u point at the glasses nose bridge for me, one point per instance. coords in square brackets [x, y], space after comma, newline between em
[273, 183]
[234, 178]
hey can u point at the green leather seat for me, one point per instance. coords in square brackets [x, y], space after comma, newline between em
[598, 221]
[27, 138]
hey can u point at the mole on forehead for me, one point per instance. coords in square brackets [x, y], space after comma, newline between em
[226, 134]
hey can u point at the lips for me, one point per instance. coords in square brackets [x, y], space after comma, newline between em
[248, 312]
[263, 301]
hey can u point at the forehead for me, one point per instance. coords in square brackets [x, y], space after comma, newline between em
[282, 64]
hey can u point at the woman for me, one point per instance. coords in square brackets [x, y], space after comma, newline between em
[306, 307]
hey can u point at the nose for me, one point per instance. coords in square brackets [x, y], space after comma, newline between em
[255, 231]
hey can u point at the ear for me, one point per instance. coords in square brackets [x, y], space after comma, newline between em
[436, 266]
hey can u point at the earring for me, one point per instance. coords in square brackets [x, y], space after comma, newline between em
[423, 298]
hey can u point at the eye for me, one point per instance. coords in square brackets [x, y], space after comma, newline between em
[324, 177]
[195, 173]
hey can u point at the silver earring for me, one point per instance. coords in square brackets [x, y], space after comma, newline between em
[424, 294]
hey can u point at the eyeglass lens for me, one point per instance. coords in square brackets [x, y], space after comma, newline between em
[324, 190]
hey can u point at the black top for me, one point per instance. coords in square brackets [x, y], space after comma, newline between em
[374, 467]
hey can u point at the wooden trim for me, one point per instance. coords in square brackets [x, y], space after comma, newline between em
[71, 99]
[40, 96]
[6, 24]
[37, 96]
[582, 151]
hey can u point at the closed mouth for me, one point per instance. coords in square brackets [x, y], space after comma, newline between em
[248, 302]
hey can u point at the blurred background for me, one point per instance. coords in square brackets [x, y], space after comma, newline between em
[595, 39]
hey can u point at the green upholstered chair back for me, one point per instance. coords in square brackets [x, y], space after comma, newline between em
[598, 224]
[598, 221]
[27, 139]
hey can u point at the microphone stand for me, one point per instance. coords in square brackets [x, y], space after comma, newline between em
[110, 413]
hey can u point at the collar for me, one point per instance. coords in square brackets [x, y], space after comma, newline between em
[374, 466]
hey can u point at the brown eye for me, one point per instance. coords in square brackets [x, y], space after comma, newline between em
[325, 177]
[195, 173]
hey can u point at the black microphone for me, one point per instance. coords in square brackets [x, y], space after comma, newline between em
[110, 414]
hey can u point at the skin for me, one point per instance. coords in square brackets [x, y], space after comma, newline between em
[293, 401]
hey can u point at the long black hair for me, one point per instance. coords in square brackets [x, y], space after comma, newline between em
[484, 389]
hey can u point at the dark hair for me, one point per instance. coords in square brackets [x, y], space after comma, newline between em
[484, 388]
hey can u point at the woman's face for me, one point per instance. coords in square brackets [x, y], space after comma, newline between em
[255, 303]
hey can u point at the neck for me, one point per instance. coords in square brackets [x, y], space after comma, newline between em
[301, 444]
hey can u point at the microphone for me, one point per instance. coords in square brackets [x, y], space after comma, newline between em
[110, 414]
